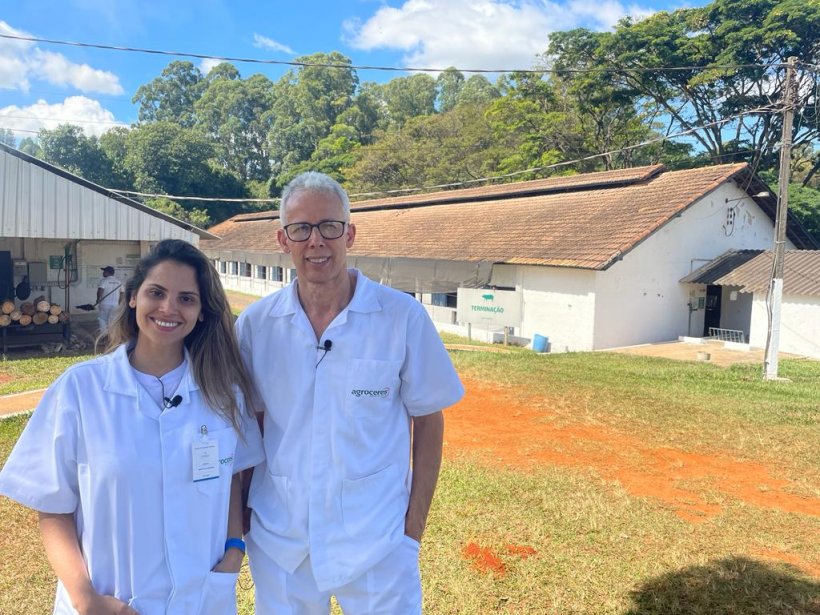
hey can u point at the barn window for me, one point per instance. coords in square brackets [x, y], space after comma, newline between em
[445, 300]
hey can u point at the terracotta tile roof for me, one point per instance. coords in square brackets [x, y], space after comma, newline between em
[586, 221]
[586, 181]
[752, 271]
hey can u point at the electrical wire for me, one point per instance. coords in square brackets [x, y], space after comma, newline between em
[191, 198]
[533, 71]
[62, 119]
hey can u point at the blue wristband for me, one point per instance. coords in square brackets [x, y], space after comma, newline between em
[235, 543]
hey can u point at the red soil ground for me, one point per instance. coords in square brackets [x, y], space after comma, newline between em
[509, 433]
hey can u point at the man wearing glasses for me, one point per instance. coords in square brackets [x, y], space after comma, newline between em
[348, 370]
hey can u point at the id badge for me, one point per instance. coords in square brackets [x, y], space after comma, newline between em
[205, 457]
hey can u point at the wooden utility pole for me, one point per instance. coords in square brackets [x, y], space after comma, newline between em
[775, 298]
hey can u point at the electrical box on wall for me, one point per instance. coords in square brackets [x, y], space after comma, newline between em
[20, 269]
[37, 272]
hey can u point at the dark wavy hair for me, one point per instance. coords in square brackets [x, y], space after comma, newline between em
[212, 346]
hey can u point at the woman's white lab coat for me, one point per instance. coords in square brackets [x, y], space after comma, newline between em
[99, 447]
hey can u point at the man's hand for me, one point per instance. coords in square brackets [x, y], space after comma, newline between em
[96, 604]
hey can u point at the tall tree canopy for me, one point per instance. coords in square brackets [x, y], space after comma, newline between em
[171, 96]
[307, 102]
[237, 116]
[726, 60]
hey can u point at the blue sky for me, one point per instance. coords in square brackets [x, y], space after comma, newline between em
[43, 84]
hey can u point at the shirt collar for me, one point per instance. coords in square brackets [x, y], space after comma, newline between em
[119, 377]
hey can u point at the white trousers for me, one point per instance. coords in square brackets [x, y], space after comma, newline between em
[391, 587]
[105, 313]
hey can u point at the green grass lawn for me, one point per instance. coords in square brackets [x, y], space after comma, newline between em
[19, 375]
[564, 540]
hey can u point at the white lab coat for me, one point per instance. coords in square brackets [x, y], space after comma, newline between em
[99, 447]
[337, 425]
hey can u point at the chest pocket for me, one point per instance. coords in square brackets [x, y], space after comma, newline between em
[226, 439]
[372, 387]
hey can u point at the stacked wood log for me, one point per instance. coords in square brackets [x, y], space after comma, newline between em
[38, 312]
[40, 318]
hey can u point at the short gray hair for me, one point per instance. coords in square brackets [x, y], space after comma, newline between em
[313, 181]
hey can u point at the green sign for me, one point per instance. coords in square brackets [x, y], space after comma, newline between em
[55, 262]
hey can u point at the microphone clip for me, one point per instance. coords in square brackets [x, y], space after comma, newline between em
[172, 402]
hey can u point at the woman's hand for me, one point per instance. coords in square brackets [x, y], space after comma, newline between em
[231, 562]
[95, 604]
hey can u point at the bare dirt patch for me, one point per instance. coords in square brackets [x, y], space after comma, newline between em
[19, 402]
[511, 433]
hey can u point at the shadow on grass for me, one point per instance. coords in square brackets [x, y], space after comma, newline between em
[736, 586]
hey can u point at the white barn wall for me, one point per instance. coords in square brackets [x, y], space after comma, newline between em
[799, 324]
[558, 303]
[640, 300]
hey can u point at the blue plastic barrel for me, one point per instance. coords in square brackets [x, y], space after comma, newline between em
[540, 343]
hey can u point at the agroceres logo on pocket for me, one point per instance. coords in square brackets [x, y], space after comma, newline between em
[370, 392]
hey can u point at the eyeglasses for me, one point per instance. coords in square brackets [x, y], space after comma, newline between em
[329, 229]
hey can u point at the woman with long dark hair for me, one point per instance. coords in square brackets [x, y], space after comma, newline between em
[132, 458]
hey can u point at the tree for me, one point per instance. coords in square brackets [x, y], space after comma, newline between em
[545, 132]
[449, 84]
[727, 76]
[165, 158]
[67, 146]
[223, 71]
[307, 103]
[366, 115]
[7, 137]
[477, 90]
[409, 97]
[456, 146]
[237, 116]
[333, 155]
[31, 147]
[197, 217]
[171, 96]
[604, 112]
[114, 145]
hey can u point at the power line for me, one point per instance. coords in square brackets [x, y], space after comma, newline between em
[34, 132]
[192, 198]
[533, 71]
[61, 119]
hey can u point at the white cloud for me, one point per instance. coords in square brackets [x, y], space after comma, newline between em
[263, 42]
[22, 62]
[86, 113]
[604, 14]
[207, 64]
[488, 34]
